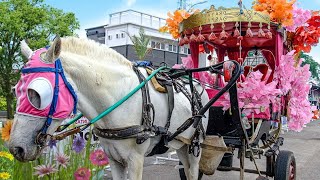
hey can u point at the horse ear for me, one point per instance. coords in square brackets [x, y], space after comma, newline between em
[54, 51]
[25, 49]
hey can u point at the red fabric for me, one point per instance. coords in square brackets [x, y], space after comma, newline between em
[235, 55]
[271, 61]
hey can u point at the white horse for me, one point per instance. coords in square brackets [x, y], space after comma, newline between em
[101, 77]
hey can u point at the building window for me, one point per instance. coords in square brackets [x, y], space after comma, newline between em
[162, 46]
[117, 36]
[174, 48]
[170, 47]
[186, 50]
[153, 44]
[157, 45]
[122, 35]
[109, 37]
[189, 52]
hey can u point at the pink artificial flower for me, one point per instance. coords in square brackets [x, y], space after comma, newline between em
[43, 170]
[300, 17]
[82, 174]
[99, 158]
[62, 160]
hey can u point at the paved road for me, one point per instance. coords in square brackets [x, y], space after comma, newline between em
[305, 145]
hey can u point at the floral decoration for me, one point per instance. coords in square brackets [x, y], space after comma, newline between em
[82, 174]
[280, 11]
[99, 158]
[78, 144]
[173, 21]
[4, 175]
[43, 170]
[6, 130]
[62, 160]
[6, 155]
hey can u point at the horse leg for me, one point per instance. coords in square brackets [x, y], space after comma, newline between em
[190, 163]
[135, 167]
[118, 170]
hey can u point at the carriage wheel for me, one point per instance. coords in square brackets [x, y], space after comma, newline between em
[285, 167]
[183, 175]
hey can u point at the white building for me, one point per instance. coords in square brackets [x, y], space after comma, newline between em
[165, 48]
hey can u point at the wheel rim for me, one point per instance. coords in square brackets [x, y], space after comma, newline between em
[292, 171]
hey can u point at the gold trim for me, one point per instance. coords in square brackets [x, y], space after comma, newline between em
[213, 16]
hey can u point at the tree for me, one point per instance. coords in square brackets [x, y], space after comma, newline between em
[31, 20]
[140, 44]
[314, 66]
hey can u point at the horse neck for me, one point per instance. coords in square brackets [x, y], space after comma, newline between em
[98, 84]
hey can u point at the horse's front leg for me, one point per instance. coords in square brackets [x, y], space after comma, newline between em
[135, 167]
[118, 170]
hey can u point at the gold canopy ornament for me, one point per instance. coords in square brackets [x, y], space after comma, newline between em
[221, 15]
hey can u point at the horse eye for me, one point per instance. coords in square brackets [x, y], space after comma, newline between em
[34, 98]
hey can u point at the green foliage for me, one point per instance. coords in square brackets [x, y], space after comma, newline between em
[34, 21]
[314, 66]
[3, 104]
[140, 44]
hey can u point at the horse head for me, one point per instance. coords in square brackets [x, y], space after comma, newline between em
[44, 99]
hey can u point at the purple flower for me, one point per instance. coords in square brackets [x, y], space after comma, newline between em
[62, 160]
[52, 143]
[78, 144]
[99, 158]
[43, 170]
[82, 174]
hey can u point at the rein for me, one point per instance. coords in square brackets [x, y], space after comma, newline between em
[104, 113]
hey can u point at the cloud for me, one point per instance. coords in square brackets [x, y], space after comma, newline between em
[131, 2]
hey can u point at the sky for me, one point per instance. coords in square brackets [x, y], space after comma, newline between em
[96, 12]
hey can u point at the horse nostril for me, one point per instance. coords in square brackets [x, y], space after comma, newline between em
[18, 152]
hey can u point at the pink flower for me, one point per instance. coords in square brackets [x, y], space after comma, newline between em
[62, 160]
[300, 17]
[82, 174]
[43, 170]
[99, 158]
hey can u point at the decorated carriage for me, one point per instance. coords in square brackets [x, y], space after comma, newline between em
[260, 94]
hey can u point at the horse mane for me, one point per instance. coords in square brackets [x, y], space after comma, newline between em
[88, 47]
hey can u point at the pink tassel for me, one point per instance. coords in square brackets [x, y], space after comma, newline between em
[249, 33]
[185, 39]
[224, 35]
[269, 35]
[193, 38]
[212, 37]
[200, 38]
[261, 34]
[236, 33]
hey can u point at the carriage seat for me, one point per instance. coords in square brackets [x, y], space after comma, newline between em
[263, 68]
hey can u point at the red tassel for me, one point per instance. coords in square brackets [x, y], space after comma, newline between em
[193, 38]
[224, 35]
[210, 57]
[185, 39]
[269, 35]
[249, 33]
[236, 33]
[261, 34]
[200, 38]
[212, 37]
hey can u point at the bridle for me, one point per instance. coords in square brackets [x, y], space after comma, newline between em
[41, 137]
